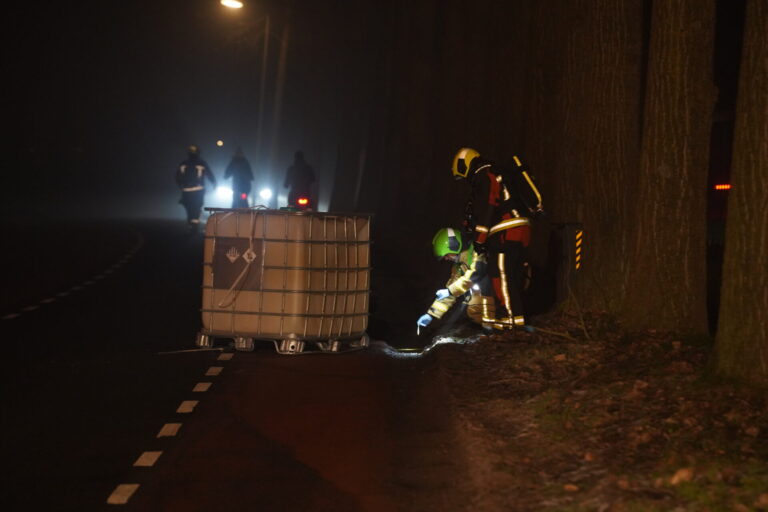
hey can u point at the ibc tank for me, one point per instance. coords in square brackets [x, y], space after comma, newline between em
[277, 275]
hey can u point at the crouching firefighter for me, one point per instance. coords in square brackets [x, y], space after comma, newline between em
[497, 214]
[190, 177]
[468, 282]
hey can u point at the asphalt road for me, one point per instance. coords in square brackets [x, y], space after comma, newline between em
[107, 406]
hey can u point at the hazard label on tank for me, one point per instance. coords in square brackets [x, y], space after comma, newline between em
[237, 261]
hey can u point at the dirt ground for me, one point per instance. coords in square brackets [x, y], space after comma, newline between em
[580, 416]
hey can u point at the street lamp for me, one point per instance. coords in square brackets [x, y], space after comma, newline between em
[279, 84]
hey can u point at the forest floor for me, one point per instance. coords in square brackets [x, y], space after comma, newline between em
[580, 416]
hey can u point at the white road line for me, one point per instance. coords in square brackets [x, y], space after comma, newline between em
[187, 406]
[62, 294]
[213, 371]
[169, 430]
[11, 316]
[30, 308]
[201, 349]
[48, 300]
[122, 494]
[147, 459]
[201, 387]
[225, 357]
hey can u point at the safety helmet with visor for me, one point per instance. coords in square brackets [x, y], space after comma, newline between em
[447, 241]
[462, 162]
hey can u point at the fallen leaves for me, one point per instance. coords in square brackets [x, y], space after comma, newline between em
[620, 420]
[681, 475]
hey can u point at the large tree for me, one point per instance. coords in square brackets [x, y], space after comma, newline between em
[582, 140]
[667, 264]
[742, 335]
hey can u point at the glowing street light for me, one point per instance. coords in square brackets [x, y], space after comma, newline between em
[232, 4]
[219, 143]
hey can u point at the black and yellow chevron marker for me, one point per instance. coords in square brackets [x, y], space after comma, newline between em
[579, 235]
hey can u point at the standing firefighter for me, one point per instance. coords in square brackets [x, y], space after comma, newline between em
[497, 213]
[468, 280]
[190, 177]
[239, 169]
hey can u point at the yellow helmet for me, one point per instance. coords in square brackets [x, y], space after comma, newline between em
[462, 161]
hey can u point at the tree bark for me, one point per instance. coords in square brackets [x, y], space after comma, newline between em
[667, 266]
[583, 130]
[742, 335]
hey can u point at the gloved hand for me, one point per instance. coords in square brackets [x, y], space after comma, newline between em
[442, 294]
[479, 248]
[424, 320]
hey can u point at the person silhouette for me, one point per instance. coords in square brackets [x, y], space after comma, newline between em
[299, 178]
[239, 169]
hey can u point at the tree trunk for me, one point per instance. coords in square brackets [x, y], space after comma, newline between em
[742, 335]
[667, 267]
[583, 130]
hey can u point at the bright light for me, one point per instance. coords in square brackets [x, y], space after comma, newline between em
[232, 4]
[723, 186]
[265, 194]
[303, 201]
[219, 143]
[224, 193]
[243, 196]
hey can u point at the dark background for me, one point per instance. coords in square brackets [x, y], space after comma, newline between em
[102, 99]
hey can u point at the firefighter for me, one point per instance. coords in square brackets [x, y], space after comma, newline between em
[468, 281]
[497, 216]
[190, 177]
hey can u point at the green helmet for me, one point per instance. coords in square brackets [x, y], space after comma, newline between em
[447, 241]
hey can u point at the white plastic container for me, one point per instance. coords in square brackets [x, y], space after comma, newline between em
[290, 277]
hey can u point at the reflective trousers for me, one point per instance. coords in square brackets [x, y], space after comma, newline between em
[506, 266]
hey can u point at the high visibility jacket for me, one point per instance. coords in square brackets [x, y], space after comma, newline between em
[191, 175]
[501, 201]
[467, 272]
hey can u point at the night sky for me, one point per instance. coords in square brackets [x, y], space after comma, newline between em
[102, 98]
[106, 96]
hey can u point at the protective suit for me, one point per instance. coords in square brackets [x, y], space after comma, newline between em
[190, 177]
[468, 283]
[497, 213]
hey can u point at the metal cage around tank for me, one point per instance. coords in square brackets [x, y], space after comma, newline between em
[299, 279]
